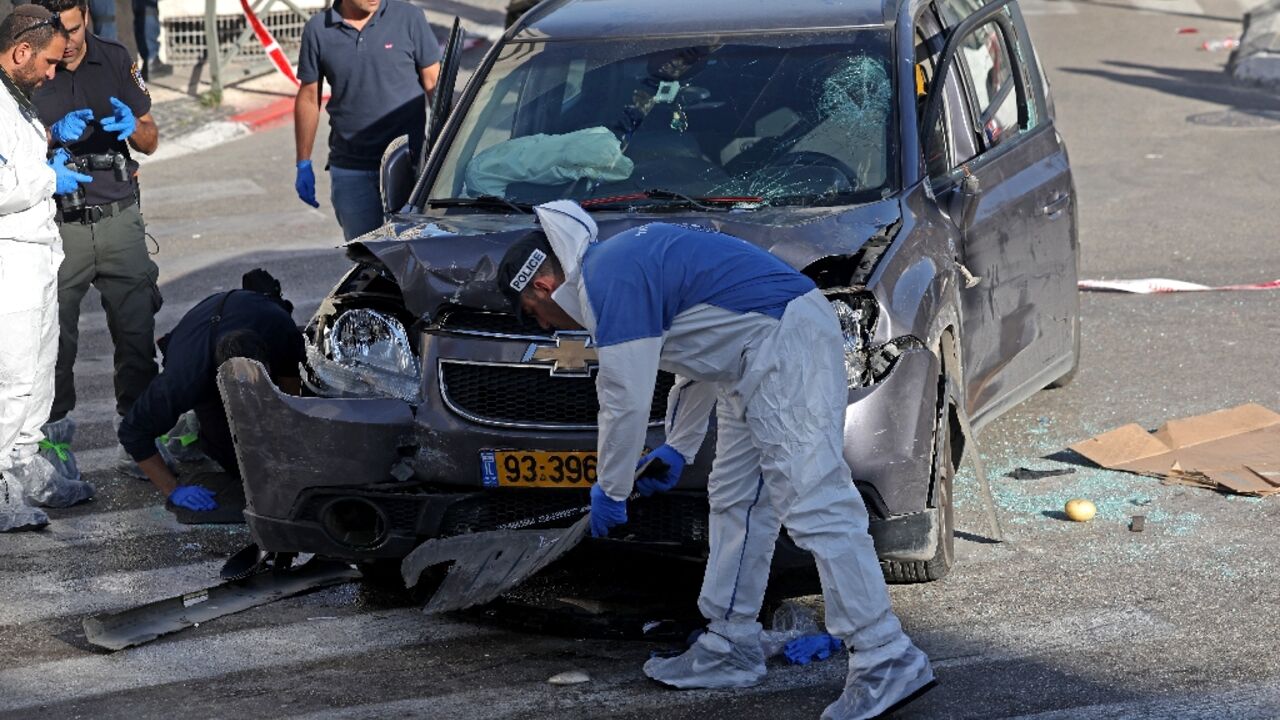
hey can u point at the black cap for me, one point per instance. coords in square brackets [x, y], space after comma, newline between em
[261, 281]
[519, 266]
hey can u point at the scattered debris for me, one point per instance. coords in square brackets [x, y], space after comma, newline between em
[1187, 31]
[1236, 450]
[1080, 509]
[487, 564]
[790, 621]
[569, 677]
[1220, 45]
[1024, 473]
[1137, 522]
[807, 648]
[1147, 286]
[116, 631]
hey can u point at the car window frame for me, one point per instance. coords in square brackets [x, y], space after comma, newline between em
[993, 12]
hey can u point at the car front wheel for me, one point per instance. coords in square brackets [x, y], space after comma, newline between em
[942, 478]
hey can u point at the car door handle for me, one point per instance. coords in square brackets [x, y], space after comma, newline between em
[1056, 205]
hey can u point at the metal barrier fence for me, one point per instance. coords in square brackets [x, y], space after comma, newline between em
[189, 39]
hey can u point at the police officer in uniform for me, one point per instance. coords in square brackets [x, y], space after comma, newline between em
[100, 99]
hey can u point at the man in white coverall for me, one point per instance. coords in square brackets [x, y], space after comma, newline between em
[31, 43]
[748, 335]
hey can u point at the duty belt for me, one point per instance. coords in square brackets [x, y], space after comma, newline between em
[91, 214]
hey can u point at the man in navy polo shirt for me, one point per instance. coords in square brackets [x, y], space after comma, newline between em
[381, 61]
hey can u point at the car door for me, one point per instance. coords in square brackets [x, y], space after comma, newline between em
[1009, 340]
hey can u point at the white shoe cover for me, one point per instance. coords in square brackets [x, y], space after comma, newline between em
[56, 447]
[713, 661]
[880, 678]
[15, 513]
[46, 488]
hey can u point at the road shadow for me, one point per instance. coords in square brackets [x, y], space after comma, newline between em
[1203, 85]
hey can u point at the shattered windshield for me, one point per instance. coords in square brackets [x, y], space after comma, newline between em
[795, 120]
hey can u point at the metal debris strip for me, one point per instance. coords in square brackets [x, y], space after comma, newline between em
[487, 564]
[116, 631]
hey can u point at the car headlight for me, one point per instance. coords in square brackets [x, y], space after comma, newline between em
[857, 318]
[374, 340]
[365, 353]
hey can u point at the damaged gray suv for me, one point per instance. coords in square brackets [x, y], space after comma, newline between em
[901, 154]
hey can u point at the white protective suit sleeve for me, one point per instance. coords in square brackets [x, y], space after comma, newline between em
[24, 183]
[624, 385]
[689, 404]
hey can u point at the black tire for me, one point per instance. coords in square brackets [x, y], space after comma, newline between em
[943, 477]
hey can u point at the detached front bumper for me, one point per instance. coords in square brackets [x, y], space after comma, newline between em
[292, 448]
[318, 479]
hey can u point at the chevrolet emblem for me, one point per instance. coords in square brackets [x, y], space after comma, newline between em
[571, 355]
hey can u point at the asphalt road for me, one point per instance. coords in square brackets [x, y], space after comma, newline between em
[1175, 170]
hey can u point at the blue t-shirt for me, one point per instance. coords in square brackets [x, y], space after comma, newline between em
[373, 76]
[639, 280]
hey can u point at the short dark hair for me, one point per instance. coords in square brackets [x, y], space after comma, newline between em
[245, 344]
[60, 6]
[30, 24]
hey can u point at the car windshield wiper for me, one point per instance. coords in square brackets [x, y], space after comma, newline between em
[482, 201]
[672, 198]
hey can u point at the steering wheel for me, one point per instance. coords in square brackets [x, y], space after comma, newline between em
[807, 158]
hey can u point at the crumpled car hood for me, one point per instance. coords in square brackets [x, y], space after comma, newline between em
[453, 260]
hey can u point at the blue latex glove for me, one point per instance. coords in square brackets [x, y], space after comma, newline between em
[121, 121]
[605, 512]
[67, 180]
[71, 126]
[807, 648]
[193, 497]
[305, 183]
[663, 482]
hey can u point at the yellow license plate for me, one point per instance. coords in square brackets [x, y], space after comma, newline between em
[537, 469]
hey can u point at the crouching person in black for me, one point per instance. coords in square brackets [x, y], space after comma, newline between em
[255, 323]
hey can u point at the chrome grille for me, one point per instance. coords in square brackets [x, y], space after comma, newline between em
[529, 396]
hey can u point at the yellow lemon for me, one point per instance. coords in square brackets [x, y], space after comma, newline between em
[1081, 510]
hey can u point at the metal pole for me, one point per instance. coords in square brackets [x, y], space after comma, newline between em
[213, 50]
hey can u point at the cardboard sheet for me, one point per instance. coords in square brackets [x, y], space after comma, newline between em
[1236, 450]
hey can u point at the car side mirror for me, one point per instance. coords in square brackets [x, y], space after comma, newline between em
[964, 202]
[396, 175]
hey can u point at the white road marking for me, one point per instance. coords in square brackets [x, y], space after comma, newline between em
[1059, 635]
[1178, 7]
[202, 191]
[97, 529]
[209, 135]
[177, 661]
[1048, 7]
[1260, 701]
[28, 597]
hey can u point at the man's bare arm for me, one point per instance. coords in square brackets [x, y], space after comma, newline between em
[306, 119]
[158, 473]
[430, 77]
[146, 137]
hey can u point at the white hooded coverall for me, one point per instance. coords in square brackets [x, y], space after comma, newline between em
[30, 253]
[751, 337]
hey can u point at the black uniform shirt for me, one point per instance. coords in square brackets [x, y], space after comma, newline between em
[189, 377]
[106, 71]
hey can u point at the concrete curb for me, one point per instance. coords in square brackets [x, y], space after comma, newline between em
[1257, 60]
[221, 131]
